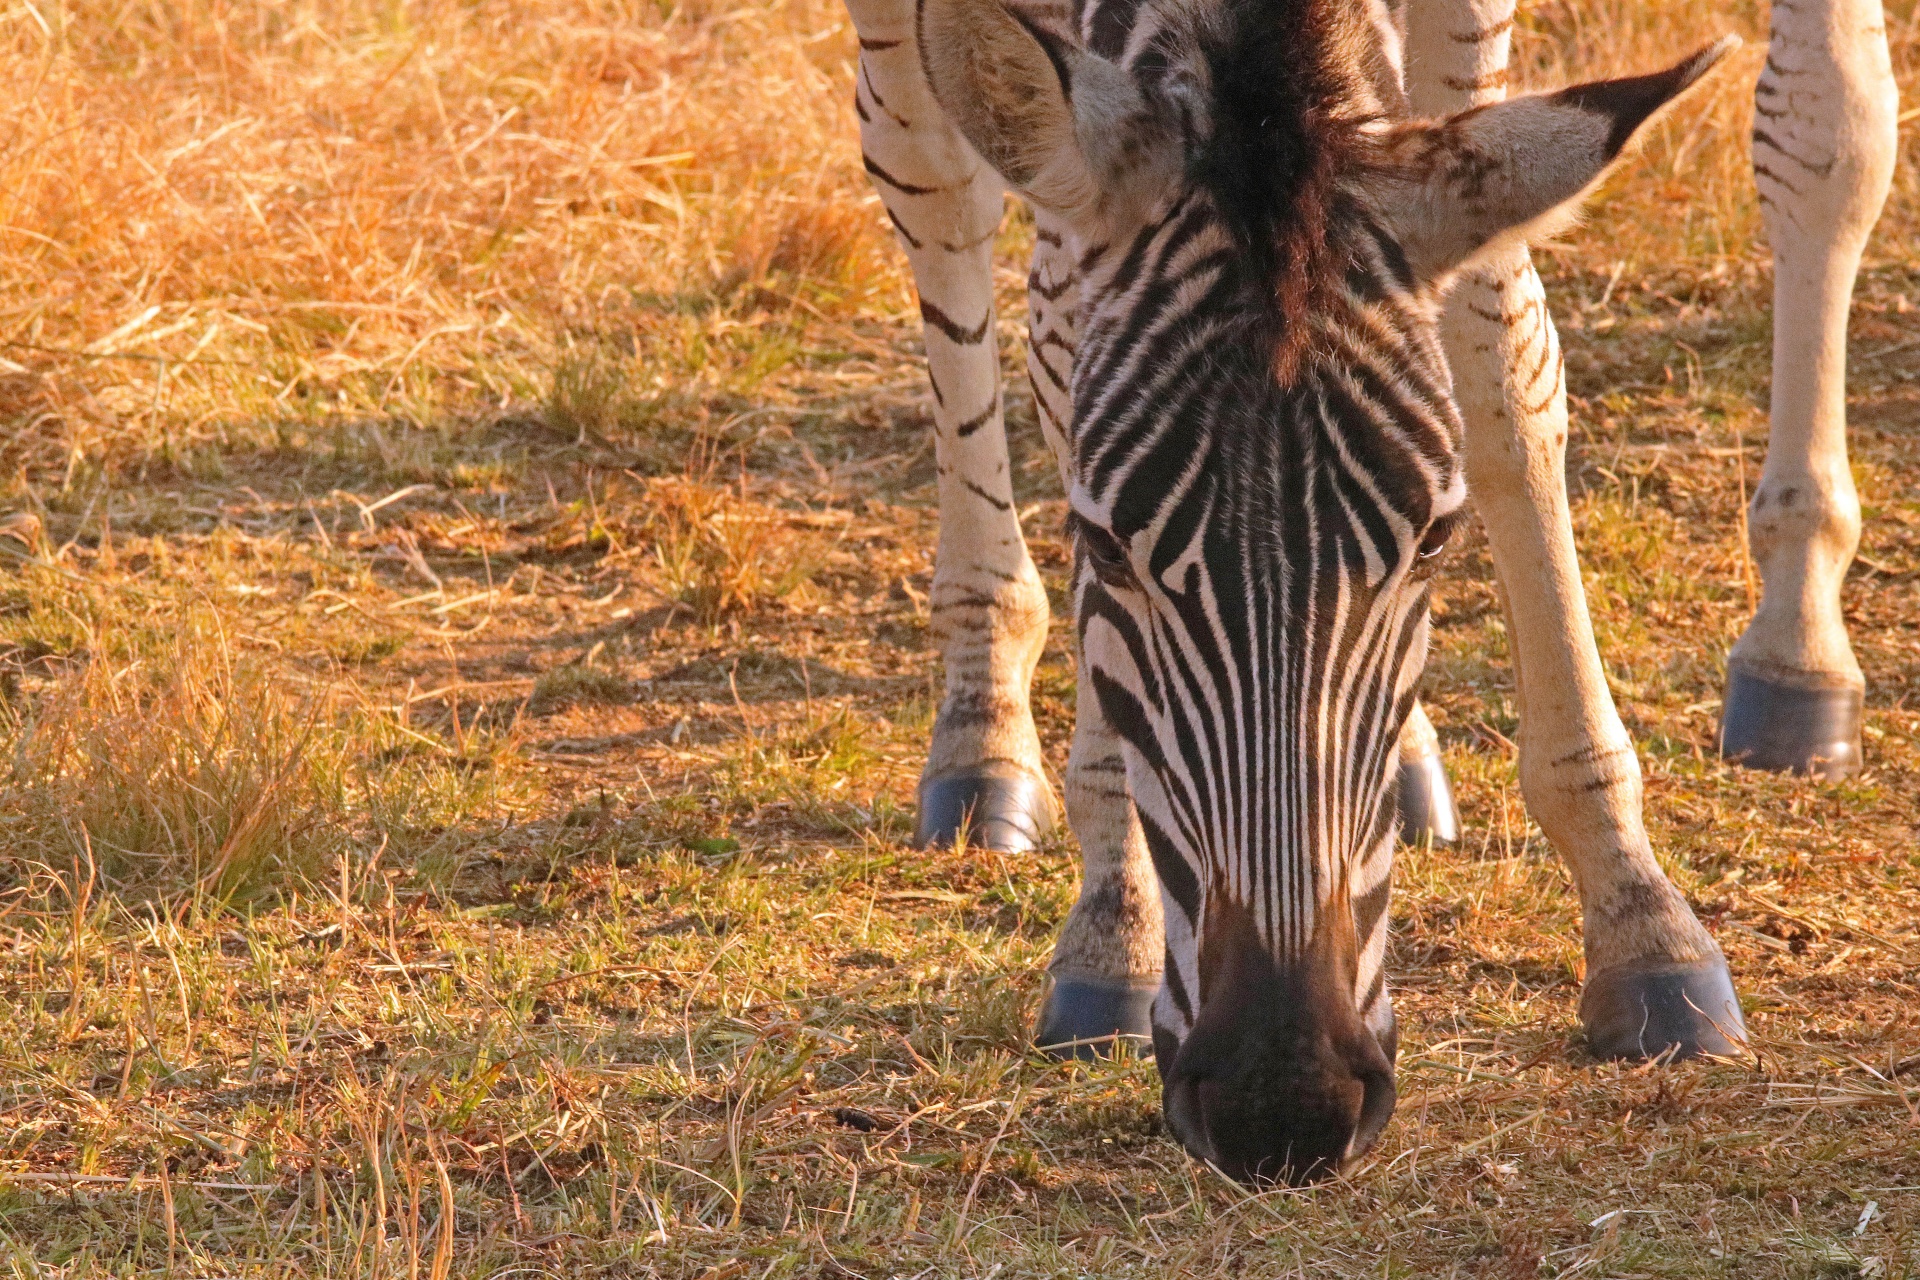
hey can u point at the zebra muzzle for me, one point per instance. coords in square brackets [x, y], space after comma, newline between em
[1279, 1079]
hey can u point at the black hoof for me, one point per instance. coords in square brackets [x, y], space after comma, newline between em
[1644, 1009]
[1768, 725]
[1086, 1019]
[1000, 805]
[1427, 812]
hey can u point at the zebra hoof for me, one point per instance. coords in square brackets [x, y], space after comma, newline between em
[1084, 1019]
[1646, 1008]
[1788, 729]
[1427, 811]
[997, 803]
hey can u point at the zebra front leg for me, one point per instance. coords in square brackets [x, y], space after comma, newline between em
[1655, 977]
[1823, 153]
[989, 609]
[1106, 964]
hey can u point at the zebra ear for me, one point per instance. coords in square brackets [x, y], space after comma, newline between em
[1453, 189]
[1065, 128]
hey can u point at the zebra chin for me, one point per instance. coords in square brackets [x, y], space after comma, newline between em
[1279, 1080]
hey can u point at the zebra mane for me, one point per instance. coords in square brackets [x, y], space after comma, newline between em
[1287, 93]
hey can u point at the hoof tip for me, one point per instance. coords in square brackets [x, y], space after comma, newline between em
[1647, 1008]
[1084, 1019]
[1000, 805]
[1789, 729]
[1427, 811]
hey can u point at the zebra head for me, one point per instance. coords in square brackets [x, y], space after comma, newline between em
[1264, 469]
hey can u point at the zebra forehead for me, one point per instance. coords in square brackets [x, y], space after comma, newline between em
[1268, 92]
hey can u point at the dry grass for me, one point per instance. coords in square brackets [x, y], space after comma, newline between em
[720, 552]
[187, 770]
[462, 573]
[231, 220]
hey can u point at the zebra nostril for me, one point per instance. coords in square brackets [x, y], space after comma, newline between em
[1376, 1108]
[1186, 1120]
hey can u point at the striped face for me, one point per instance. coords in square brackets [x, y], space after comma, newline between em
[1253, 555]
[1263, 467]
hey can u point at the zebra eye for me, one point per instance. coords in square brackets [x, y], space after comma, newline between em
[1105, 553]
[1434, 541]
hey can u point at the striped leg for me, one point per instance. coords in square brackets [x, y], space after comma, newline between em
[1106, 965]
[1823, 151]
[983, 767]
[1655, 978]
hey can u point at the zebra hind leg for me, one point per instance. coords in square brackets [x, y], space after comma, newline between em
[1824, 140]
[983, 774]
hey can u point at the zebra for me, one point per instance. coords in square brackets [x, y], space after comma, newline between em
[1235, 867]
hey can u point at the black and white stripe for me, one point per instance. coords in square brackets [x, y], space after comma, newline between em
[1251, 529]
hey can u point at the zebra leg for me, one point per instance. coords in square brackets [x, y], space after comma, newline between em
[983, 771]
[1656, 981]
[1655, 977]
[1106, 964]
[1427, 811]
[1823, 152]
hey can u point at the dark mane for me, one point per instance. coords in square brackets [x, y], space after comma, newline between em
[1287, 91]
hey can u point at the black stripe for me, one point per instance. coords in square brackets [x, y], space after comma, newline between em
[905, 188]
[979, 420]
[998, 504]
[1176, 877]
[1051, 294]
[933, 315]
[913, 241]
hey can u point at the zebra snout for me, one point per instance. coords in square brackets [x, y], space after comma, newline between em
[1279, 1080]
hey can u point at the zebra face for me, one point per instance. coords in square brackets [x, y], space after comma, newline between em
[1263, 467]
[1253, 560]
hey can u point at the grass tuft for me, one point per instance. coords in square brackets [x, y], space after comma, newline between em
[578, 684]
[193, 771]
[719, 551]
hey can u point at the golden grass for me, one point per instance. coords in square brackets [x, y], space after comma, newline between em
[475, 452]
[189, 769]
[225, 215]
[721, 552]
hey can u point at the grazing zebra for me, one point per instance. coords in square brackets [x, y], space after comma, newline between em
[1236, 354]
